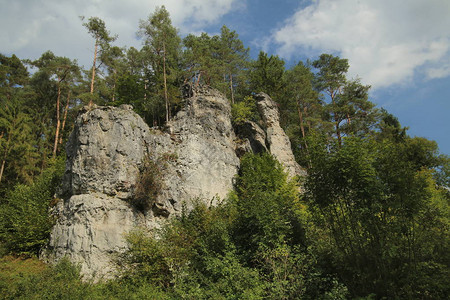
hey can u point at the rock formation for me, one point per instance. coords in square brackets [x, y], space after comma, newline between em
[278, 142]
[105, 155]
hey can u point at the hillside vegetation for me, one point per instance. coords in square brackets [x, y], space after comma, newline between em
[372, 221]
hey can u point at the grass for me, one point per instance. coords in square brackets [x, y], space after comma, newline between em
[12, 267]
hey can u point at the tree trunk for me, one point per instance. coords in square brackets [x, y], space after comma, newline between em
[2, 168]
[66, 109]
[58, 119]
[336, 120]
[114, 86]
[308, 123]
[302, 127]
[231, 88]
[300, 116]
[338, 133]
[166, 98]
[4, 157]
[198, 78]
[93, 73]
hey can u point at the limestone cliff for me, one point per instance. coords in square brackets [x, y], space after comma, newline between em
[105, 155]
[277, 141]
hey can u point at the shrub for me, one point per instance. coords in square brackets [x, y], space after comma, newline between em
[25, 222]
[244, 110]
[250, 246]
[267, 206]
[381, 224]
[148, 184]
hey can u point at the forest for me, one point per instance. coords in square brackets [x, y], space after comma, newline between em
[372, 221]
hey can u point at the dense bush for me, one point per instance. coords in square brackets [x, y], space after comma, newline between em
[148, 184]
[381, 222]
[25, 222]
[150, 180]
[251, 246]
[244, 111]
[29, 279]
[375, 225]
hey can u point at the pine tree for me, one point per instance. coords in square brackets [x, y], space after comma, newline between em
[349, 108]
[67, 74]
[234, 58]
[18, 155]
[17, 148]
[202, 60]
[97, 28]
[163, 45]
[266, 75]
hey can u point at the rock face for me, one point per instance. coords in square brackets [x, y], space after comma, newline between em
[105, 155]
[253, 138]
[104, 152]
[202, 140]
[277, 140]
[273, 139]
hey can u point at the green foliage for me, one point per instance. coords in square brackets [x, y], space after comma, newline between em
[19, 151]
[25, 222]
[12, 72]
[163, 48]
[373, 223]
[150, 181]
[442, 172]
[390, 127]
[269, 232]
[301, 110]
[60, 282]
[266, 75]
[218, 61]
[244, 110]
[331, 75]
[233, 57]
[192, 258]
[250, 246]
[29, 279]
[264, 186]
[386, 220]
[145, 259]
[130, 90]
[349, 109]
[200, 59]
[97, 29]
[18, 154]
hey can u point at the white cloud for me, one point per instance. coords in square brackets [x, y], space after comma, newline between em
[30, 27]
[438, 72]
[386, 41]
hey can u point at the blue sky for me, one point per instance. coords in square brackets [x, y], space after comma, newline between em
[401, 48]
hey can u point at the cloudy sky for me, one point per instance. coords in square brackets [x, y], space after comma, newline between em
[400, 47]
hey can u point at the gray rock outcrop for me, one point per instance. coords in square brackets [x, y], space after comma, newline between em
[252, 138]
[278, 142]
[104, 153]
[105, 157]
[203, 144]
